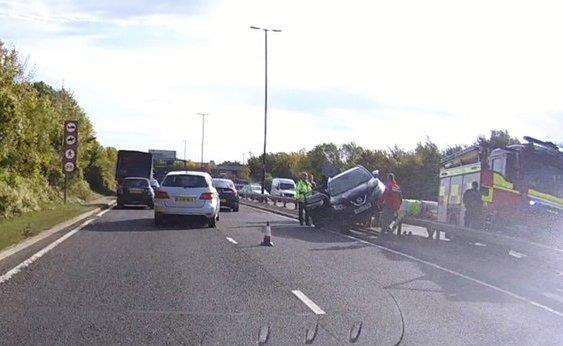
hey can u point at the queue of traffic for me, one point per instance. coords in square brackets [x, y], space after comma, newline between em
[517, 185]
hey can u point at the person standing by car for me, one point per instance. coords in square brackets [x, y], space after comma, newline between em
[392, 199]
[312, 182]
[302, 191]
[473, 206]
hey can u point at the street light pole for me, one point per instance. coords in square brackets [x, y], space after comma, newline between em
[185, 161]
[265, 99]
[202, 134]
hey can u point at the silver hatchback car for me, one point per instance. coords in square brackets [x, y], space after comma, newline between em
[186, 193]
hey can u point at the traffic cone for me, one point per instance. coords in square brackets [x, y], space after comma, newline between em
[267, 241]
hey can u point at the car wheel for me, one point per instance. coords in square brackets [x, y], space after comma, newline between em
[158, 219]
[235, 209]
[211, 223]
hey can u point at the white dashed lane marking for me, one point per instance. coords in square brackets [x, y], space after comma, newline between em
[516, 254]
[232, 240]
[311, 304]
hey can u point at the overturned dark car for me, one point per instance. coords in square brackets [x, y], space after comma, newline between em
[351, 197]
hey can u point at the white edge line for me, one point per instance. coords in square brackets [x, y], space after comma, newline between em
[498, 289]
[311, 304]
[513, 295]
[103, 212]
[8, 275]
[11, 250]
[232, 240]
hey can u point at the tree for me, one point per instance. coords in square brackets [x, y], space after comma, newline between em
[31, 130]
[350, 154]
[497, 139]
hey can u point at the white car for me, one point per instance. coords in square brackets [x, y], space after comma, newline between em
[186, 193]
[283, 187]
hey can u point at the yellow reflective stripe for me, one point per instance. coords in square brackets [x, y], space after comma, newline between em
[489, 197]
[546, 197]
[472, 168]
[500, 183]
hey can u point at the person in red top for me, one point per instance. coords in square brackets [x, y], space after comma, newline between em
[391, 202]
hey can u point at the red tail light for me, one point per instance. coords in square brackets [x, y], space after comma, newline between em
[208, 196]
[159, 194]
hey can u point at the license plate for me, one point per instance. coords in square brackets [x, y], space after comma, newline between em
[223, 200]
[184, 199]
[362, 208]
[136, 191]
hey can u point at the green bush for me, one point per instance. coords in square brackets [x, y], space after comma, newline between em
[22, 194]
[31, 119]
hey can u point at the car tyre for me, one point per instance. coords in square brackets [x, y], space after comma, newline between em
[158, 219]
[212, 223]
[235, 209]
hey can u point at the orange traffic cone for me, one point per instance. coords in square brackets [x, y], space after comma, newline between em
[267, 241]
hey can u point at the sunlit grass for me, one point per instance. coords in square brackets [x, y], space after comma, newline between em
[17, 229]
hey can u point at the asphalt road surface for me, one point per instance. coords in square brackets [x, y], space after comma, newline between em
[120, 279]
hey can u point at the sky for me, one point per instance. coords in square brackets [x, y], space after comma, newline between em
[378, 73]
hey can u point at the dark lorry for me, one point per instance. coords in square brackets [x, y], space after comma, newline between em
[133, 164]
[134, 167]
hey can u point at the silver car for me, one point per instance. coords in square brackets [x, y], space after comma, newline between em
[186, 193]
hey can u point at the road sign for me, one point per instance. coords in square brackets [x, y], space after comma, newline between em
[70, 140]
[70, 149]
[70, 127]
[69, 167]
[70, 154]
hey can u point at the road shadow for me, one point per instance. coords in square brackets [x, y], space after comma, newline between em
[432, 279]
[147, 225]
[341, 247]
[307, 234]
[140, 207]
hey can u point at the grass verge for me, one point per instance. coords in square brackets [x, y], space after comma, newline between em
[17, 229]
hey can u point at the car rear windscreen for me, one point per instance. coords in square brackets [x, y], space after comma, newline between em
[223, 184]
[185, 181]
[136, 183]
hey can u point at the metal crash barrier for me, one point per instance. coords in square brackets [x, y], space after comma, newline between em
[433, 228]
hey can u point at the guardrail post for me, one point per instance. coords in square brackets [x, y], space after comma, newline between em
[430, 232]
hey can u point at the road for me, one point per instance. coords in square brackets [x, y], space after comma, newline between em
[120, 279]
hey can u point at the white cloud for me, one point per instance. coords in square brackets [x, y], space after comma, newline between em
[447, 70]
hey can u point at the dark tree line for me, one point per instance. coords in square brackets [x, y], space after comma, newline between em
[417, 170]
